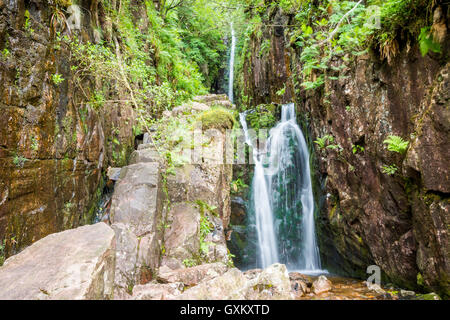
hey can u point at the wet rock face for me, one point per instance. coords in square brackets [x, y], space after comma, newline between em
[398, 222]
[429, 156]
[53, 144]
[267, 70]
[378, 216]
[74, 264]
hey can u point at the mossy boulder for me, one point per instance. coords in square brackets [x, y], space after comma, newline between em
[217, 118]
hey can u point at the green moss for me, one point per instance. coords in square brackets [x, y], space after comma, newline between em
[90, 215]
[63, 3]
[332, 212]
[429, 198]
[428, 296]
[188, 263]
[360, 240]
[217, 118]
[419, 279]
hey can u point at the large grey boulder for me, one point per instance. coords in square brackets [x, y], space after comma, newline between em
[272, 283]
[126, 271]
[192, 276]
[137, 200]
[74, 264]
[209, 183]
[137, 215]
[225, 287]
[182, 238]
[157, 291]
[144, 154]
[136, 258]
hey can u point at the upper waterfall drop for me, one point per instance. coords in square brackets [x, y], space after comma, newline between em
[282, 199]
[231, 76]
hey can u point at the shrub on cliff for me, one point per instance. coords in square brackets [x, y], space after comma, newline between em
[263, 117]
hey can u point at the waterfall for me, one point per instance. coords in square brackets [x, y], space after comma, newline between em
[267, 242]
[281, 197]
[232, 54]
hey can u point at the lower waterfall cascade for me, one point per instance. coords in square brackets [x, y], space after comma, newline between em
[281, 197]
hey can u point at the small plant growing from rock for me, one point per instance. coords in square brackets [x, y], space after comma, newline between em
[203, 206]
[357, 148]
[205, 226]
[188, 263]
[427, 42]
[27, 25]
[322, 141]
[335, 147]
[230, 256]
[396, 144]
[238, 185]
[2, 252]
[390, 170]
[19, 161]
[34, 143]
[57, 79]
[5, 53]
[281, 92]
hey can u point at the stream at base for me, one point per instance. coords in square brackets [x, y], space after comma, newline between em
[348, 289]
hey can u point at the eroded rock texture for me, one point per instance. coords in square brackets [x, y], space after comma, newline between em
[157, 217]
[162, 236]
[53, 143]
[199, 191]
[398, 222]
[267, 70]
[74, 264]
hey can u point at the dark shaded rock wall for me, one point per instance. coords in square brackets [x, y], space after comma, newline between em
[399, 222]
[53, 144]
[267, 68]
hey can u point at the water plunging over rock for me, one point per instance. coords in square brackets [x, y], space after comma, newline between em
[281, 199]
[231, 78]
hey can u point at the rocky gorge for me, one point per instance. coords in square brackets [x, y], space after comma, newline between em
[141, 250]
[367, 217]
[102, 193]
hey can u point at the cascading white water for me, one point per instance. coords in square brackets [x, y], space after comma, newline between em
[282, 197]
[267, 241]
[232, 54]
